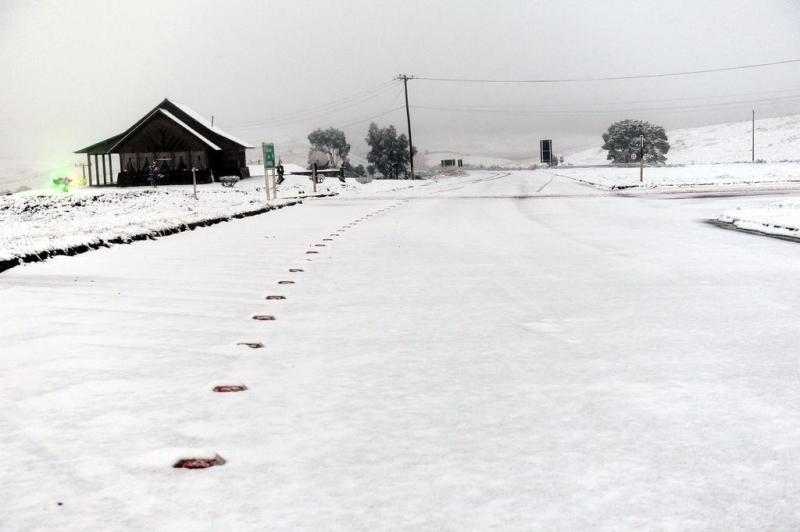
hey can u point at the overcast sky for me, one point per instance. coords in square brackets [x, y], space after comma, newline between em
[78, 71]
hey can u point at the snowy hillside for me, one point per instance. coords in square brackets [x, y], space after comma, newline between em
[777, 139]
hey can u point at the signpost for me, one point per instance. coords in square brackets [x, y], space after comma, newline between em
[641, 161]
[546, 151]
[268, 150]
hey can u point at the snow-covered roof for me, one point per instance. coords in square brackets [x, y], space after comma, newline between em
[190, 130]
[196, 116]
[174, 119]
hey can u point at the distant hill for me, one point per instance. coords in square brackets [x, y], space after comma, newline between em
[777, 139]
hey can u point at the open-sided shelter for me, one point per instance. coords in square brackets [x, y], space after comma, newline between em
[177, 139]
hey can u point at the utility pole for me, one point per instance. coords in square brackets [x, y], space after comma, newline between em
[754, 135]
[405, 79]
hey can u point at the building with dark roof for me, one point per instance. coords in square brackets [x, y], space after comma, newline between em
[177, 139]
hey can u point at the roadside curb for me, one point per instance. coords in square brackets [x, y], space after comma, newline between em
[731, 226]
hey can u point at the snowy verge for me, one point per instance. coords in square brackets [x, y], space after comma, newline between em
[684, 178]
[39, 225]
[777, 219]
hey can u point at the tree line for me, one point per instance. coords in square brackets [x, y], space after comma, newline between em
[388, 155]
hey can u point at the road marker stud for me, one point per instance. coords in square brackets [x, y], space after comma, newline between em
[230, 388]
[295, 270]
[252, 345]
[263, 317]
[275, 298]
[285, 282]
[199, 463]
[312, 252]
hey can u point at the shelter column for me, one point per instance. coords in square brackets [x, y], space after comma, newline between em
[104, 168]
[89, 164]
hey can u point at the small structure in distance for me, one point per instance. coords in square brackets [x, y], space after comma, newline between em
[177, 137]
[450, 163]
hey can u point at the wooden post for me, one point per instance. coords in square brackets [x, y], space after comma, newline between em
[266, 180]
[194, 181]
[96, 170]
[314, 176]
[89, 164]
[274, 184]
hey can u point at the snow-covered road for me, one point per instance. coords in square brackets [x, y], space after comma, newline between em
[466, 356]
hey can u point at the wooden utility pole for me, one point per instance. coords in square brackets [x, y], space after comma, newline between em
[405, 79]
[754, 136]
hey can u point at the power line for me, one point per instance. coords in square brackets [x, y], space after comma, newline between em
[545, 112]
[611, 78]
[650, 100]
[374, 117]
[320, 110]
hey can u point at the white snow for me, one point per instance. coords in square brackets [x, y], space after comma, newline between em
[780, 175]
[777, 139]
[780, 218]
[44, 221]
[495, 352]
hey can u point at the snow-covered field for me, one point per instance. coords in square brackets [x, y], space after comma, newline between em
[47, 221]
[706, 176]
[777, 139]
[473, 354]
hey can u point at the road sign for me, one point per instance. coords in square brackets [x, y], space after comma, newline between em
[634, 156]
[268, 150]
[546, 150]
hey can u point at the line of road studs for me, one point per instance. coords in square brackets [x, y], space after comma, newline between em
[204, 462]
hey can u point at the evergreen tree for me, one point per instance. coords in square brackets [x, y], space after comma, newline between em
[388, 151]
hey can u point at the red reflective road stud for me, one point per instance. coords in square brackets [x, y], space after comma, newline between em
[285, 282]
[230, 388]
[263, 317]
[198, 463]
[296, 270]
[275, 298]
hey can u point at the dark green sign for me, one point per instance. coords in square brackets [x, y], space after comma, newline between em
[269, 154]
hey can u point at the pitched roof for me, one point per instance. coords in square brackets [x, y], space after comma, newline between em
[182, 115]
[199, 118]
